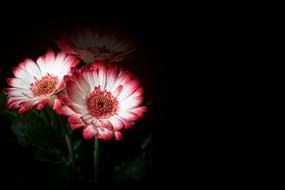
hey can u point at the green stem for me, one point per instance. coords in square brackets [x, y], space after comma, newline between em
[40, 115]
[70, 149]
[49, 112]
[68, 134]
[96, 160]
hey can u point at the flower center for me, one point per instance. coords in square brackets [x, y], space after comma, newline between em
[45, 86]
[101, 104]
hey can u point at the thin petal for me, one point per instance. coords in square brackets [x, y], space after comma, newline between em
[117, 123]
[129, 116]
[129, 88]
[76, 94]
[67, 46]
[42, 103]
[75, 118]
[118, 135]
[102, 77]
[17, 92]
[89, 78]
[21, 73]
[76, 125]
[78, 109]
[111, 78]
[104, 133]
[89, 132]
[118, 90]
[88, 119]
[64, 110]
[131, 102]
[56, 104]
[32, 68]
[18, 83]
[139, 111]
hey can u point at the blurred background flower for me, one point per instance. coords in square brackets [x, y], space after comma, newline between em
[97, 45]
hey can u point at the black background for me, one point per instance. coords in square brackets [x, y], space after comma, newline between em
[195, 66]
[179, 61]
[157, 65]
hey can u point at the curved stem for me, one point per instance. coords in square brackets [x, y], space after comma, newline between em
[96, 155]
[67, 134]
[70, 149]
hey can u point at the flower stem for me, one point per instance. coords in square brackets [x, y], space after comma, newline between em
[70, 149]
[67, 134]
[96, 160]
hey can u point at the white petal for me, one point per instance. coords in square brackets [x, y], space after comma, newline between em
[20, 92]
[88, 118]
[42, 66]
[81, 84]
[32, 68]
[111, 78]
[19, 83]
[130, 102]
[77, 96]
[129, 89]
[116, 122]
[102, 78]
[130, 116]
[88, 77]
[21, 73]
[78, 109]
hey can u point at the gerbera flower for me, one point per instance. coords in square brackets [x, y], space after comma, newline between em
[103, 99]
[37, 83]
[90, 46]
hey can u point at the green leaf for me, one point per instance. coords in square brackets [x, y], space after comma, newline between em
[52, 155]
[34, 128]
[76, 144]
[44, 131]
[131, 171]
[134, 170]
[146, 142]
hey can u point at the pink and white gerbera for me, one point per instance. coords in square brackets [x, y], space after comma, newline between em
[103, 99]
[37, 83]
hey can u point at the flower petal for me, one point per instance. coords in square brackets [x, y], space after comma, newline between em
[32, 68]
[131, 102]
[65, 110]
[129, 88]
[75, 118]
[75, 94]
[76, 125]
[67, 46]
[117, 123]
[129, 116]
[56, 104]
[118, 135]
[88, 119]
[18, 83]
[42, 103]
[89, 132]
[118, 90]
[81, 84]
[18, 92]
[78, 109]
[104, 133]
[139, 111]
